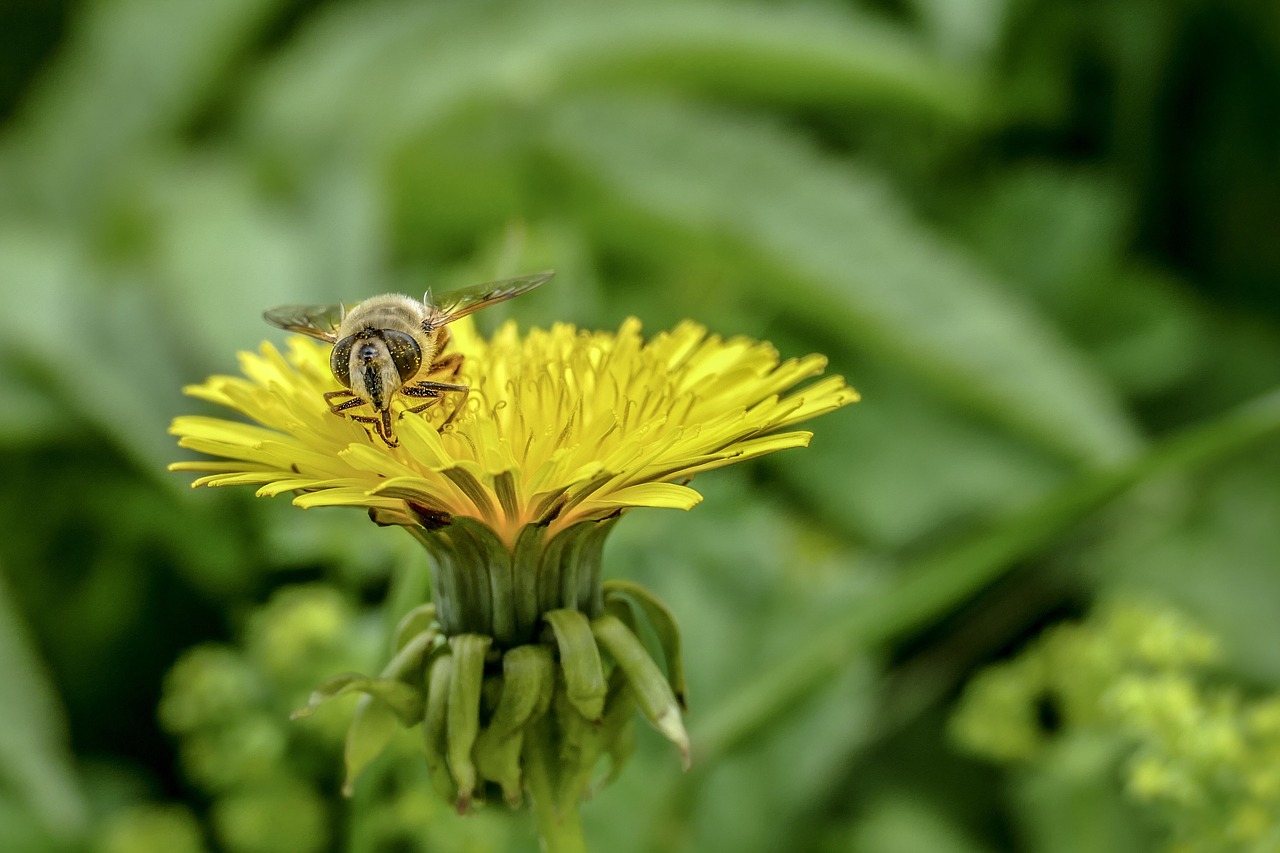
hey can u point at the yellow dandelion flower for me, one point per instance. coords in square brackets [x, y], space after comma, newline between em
[561, 426]
[512, 495]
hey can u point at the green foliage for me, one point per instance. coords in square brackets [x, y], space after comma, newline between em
[1038, 237]
[1136, 687]
[271, 782]
[152, 827]
[33, 745]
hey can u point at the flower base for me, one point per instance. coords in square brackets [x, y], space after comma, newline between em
[553, 683]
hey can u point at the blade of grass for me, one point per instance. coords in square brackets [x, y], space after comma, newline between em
[35, 759]
[939, 582]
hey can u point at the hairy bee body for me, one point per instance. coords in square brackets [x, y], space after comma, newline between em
[372, 356]
[393, 345]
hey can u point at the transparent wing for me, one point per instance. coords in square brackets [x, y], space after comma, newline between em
[318, 321]
[448, 307]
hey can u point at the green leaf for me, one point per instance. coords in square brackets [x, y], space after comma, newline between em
[131, 71]
[937, 582]
[220, 253]
[1208, 543]
[853, 260]
[65, 328]
[427, 62]
[35, 759]
[903, 437]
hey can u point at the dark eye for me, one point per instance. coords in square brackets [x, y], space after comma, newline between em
[340, 360]
[405, 353]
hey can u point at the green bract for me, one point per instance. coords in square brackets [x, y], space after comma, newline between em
[571, 689]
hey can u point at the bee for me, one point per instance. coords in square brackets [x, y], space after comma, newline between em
[394, 344]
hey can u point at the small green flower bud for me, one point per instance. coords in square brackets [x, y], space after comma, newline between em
[144, 829]
[286, 816]
[208, 686]
[299, 628]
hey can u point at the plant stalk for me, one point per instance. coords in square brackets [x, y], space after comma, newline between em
[559, 828]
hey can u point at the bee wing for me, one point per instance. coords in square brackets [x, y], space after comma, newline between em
[448, 307]
[317, 321]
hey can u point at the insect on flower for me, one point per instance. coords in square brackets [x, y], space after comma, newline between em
[392, 344]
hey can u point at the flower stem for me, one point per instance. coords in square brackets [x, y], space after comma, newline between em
[558, 824]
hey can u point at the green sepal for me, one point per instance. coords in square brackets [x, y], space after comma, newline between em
[621, 747]
[652, 691]
[373, 726]
[404, 700]
[435, 720]
[663, 622]
[414, 623]
[498, 760]
[580, 659]
[581, 745]
[410, 660]
[383, 709]
[463, 726]
[619, 725]
[527, 686]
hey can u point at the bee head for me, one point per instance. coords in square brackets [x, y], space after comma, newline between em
[374, 363]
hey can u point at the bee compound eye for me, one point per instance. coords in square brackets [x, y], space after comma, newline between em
[405, 353]
[340, 361]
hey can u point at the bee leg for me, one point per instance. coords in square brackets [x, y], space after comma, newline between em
[339, 408]
[424, 406]
[434, 390]
[417, 390]
[466, 392]
[349, 404]
[381, 426]
[431, 389]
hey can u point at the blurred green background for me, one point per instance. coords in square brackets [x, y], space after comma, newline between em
[1040, 237]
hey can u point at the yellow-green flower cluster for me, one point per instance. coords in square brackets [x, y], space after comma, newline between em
[145, 828]
[270, 782]
[228, 709]
[1198, 752]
